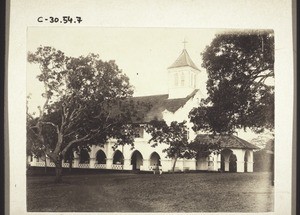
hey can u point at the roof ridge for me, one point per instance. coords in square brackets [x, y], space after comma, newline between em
[149, 95]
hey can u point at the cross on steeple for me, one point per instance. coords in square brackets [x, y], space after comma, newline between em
[184, 42]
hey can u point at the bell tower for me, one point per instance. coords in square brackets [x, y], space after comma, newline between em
[182, 75]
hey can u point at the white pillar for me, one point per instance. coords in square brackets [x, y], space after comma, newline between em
[240, 166]
[226, 166]
[34, 160]
[47, 161]
[250, 162]
[76, 162]
[28, 159]
[92, 162]
[219, 161]
[146, 165]
[240, 155]
[249, 166]
[93, 151]
[127, 164]
[109, 162]
[215, 162]
[110, 151]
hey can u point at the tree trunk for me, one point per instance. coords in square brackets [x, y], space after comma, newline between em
[174, 164]
[58, 170]
[70, 164]
[45, 165]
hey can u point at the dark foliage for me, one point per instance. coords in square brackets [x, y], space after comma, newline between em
[238, 66]
[85, 103]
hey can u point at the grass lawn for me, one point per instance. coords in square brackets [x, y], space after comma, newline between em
[124, 192]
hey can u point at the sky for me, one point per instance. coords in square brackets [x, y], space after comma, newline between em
[143, 54]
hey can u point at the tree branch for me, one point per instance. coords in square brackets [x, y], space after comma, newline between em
[82, 139]
[50, 123]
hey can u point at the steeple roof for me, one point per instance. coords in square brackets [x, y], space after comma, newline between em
[184, 60]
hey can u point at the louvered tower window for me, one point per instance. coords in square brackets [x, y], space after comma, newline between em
[182, 79]
[176, 79]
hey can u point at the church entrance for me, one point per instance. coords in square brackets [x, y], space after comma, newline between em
[136, 160]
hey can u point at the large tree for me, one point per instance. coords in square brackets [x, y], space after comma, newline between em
[175, 136]
[178, 144]
[240, 66]
[85, 103]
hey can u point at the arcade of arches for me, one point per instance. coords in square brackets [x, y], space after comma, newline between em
[183, 95]
[229, 160]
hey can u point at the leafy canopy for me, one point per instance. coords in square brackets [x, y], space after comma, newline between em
[239, 67]
[173, 135]
[85, 102]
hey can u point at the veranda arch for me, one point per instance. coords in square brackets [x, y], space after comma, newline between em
[100, 157]
[84, 156]
[155, 159]
[136, 160]
[118, 157]
[228, 161]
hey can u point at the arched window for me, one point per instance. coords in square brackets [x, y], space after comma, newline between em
[176, 79]
[182, 79]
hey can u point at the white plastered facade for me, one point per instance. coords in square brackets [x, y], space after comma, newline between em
[183, 80]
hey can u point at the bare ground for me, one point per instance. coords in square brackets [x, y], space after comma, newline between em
[124, 192]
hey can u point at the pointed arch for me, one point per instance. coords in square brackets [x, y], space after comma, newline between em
[136, 160]
[84, 156]
[155, 159]
[100, 157]
[118, 157]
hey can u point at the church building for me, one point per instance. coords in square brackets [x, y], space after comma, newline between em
[183, 95]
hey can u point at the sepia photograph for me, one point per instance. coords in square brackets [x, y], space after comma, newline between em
[157, 107]
[136, 119]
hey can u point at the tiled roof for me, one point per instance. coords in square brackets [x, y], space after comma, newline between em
[152, 107]
[226, 141]
[184, 60]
